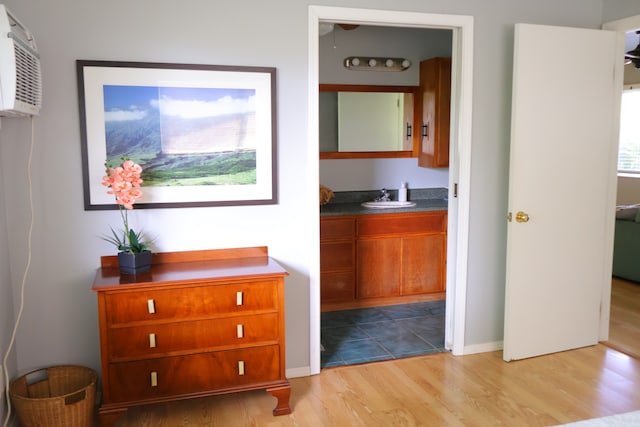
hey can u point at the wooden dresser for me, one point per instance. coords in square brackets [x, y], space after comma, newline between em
[199, 323]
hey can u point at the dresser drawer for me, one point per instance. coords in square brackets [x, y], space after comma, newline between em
[171, 376]
[191, 302]
[202, 335]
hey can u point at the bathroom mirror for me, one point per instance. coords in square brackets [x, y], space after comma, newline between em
[364, 121]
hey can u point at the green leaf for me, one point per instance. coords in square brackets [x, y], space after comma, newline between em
[130, 241]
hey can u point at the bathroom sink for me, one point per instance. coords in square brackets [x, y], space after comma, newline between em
[388, 204]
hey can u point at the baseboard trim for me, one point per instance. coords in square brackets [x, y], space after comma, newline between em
[482, 348]
[304, 371]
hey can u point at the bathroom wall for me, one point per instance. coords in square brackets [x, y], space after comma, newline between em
[412, 44]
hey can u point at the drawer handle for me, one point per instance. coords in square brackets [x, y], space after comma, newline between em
[240, 331]
[154, 379]
[239, 298]
[152, 340]
[241, 367]
[151, 305]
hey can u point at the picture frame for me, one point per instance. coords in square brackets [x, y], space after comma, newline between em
[205, 135]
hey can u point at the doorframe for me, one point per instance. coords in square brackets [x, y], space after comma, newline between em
[621, 26]
[459, 169]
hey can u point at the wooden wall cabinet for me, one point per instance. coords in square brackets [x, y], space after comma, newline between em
[386, 256]
[197, 324]
[435, 89]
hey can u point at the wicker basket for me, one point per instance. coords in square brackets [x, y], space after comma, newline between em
[59, 396]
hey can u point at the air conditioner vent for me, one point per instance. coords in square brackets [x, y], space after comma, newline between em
[29, 86]
[20, 74]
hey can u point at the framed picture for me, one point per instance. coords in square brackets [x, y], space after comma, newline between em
[205, 135]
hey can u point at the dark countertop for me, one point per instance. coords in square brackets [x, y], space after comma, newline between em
[349, 202]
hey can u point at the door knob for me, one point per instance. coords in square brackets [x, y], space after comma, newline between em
[522, 217]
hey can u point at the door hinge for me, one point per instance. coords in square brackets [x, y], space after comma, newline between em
[455, 190]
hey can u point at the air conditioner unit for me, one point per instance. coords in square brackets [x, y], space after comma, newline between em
[20, 77]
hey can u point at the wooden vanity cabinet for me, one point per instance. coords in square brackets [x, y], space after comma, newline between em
[337, 258]
[197, 324]
[363, 257]
[435, 90]
[401, 254]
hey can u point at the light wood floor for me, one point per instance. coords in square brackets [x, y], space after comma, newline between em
[624, 330]
[444, 390]
[435, 390]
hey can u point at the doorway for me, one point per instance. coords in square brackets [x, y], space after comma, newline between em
[376, 326]
[624, 320]
[622, 26]
[459, 169]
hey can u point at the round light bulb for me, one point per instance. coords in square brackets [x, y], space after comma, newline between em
[389, 63]
[372, 62]
[355, 61]
[406, 63]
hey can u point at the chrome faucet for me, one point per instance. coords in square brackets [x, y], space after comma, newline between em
[384, 196]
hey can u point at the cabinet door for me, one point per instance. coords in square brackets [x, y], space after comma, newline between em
[337, 287]
[423, 264]
[337, 259]
[435, 86]
[337, 271]
[378, 267]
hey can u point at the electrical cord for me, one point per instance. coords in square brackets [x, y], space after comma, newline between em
[24, 280]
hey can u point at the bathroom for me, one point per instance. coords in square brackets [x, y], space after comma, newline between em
[365, 177]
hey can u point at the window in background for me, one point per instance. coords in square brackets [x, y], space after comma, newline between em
[629, 149]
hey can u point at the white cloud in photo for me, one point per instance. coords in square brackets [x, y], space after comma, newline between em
[124, 115]
[195, 109]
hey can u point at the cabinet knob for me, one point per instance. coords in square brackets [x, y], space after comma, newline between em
[154, 379]
[152, 340]
[241, 367]
[240, 331]
[425, 130]
[151, 305]
[239, 298]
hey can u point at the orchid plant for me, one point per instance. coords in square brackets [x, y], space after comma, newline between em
[124, 182]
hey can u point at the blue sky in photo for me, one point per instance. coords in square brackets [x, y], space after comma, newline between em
[133, 102]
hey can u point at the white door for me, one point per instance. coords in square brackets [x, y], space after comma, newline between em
[563, 150]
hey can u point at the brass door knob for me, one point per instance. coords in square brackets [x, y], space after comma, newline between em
[522, 217]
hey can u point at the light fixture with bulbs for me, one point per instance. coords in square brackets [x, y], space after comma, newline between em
[366, 63]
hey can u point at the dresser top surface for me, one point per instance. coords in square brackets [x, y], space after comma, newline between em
[109, 277]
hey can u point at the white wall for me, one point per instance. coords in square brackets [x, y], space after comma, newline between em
[374, 174]
[6, 299]
[628, 190]
[60, 324]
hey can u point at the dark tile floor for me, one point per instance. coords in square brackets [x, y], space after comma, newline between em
[380, 333]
